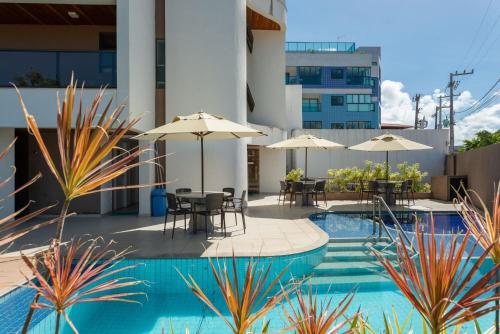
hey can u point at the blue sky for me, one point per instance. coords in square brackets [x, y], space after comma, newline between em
[422, 41]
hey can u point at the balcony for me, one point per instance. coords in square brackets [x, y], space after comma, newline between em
[313, 47]
[52, 69]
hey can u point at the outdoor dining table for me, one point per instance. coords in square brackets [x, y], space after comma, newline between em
[387, 190]
[197, 197]
[308, 188]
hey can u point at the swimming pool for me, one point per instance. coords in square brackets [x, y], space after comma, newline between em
[359, 224]
[170, 302]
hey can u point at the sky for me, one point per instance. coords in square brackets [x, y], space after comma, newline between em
[422, 42]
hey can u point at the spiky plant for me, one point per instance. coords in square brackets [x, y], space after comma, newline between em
[80, 272]
[246, 305]
[362, 326]
[311, 317]
[85, 146]
[485, 227]
[9, 223]
[445, 287]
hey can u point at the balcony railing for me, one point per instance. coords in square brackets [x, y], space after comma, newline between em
[54, 68]
[320, 47]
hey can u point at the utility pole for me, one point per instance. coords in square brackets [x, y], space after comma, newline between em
[436, 118]
[417, 109]
[453, 85]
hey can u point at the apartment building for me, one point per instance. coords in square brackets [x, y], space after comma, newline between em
[340, 84]
[167, 58]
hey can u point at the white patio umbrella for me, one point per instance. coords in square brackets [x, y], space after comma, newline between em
[306, 141]
[389, 142]
[199, 126]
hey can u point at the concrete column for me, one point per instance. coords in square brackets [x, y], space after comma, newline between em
[205, 48]
[8, 204]
[136, 72]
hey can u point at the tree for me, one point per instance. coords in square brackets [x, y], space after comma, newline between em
[481, 139]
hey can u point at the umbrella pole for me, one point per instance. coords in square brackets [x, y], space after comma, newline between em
[202, 169]
[306, 166]
[387, 165]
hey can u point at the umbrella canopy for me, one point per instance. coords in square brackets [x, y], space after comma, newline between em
[389, 142]
[306, 141]
[199, 126]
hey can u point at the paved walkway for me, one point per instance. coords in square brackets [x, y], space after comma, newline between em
[271, 230]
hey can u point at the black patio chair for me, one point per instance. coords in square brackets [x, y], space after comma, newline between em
[297, 188]
[212, 206]
[372, 189]
[319, 189]
[402, 193]
[240, 206]
[411, 190]
[174, 208]
[284, 189]
[184, 202]
[228, 200]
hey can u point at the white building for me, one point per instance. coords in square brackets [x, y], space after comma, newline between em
[168, 58]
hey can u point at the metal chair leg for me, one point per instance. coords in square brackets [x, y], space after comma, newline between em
[165, 223]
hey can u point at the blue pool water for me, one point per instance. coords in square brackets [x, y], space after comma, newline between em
[359, 224]
[170, 303]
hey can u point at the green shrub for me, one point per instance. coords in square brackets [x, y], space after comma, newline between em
[294, 175]
[340, 179]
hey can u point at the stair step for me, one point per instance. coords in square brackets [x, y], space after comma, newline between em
[347, 268]
[346, 283]
[357, 255]
[348, 246]
[357, 239]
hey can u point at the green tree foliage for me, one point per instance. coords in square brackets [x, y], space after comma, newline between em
[481, 139]
[348, 179]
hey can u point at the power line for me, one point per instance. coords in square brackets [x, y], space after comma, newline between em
[477, 31]
[479, 102]
[484, 41]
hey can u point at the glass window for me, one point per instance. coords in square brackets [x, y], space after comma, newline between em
[337, 73]
[337, 100]
[360, 102]
[310, 75]
[358, 125]
[336, 125]
[160, 63]
[311, 125]
[310, 105]
[358, 75]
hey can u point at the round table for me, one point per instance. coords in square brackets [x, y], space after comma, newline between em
[197, 197]
[388, 190]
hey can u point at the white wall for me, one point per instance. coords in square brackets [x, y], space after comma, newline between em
[8, 203]
[205, 48]
[293, 95]
[266, 73]
[431, 161]
[136, 45]
[41, 103]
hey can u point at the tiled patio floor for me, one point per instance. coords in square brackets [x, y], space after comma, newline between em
[271, 230]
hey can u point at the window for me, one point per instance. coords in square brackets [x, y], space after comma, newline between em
[358, 125]
[358, 75]
[310, 105]
[360, 102]
[337, 126]
[107, 41]
[337, 73]
[310, 75]
[160, 63]
[311, 125]
[337, 100]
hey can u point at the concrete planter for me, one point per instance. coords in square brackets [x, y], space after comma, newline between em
[353, 196]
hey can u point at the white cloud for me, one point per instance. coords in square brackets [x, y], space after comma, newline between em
[486, 119]
[397, 107]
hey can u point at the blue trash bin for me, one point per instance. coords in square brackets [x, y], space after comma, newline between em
[158, 202]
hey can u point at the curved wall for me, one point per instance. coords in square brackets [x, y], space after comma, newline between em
[205, 62]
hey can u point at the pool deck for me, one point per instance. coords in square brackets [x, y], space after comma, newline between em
[272, 230]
